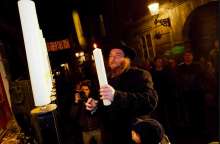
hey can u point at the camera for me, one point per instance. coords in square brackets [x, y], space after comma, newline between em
[82, 95]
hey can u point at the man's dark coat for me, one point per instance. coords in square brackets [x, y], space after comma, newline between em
[134, 97]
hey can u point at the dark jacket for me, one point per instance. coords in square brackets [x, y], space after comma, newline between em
[190, 88]
[134, 96]
[87, 121]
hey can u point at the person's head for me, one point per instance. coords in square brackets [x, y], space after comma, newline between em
[147, 131]
[172, 63]
[117, 59]
[85, 87]
[188, 57]
[216, 44]
[159, 63]
[120, 56]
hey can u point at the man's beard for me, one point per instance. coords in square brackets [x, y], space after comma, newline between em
[119, 69]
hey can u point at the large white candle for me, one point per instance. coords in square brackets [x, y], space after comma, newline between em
[47, 62]
[100, 68]
[34, 52]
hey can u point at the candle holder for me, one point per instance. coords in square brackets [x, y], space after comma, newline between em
[45, 124]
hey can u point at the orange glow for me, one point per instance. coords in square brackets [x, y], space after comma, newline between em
[95, 45]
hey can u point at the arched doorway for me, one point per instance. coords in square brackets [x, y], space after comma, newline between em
[200, 29]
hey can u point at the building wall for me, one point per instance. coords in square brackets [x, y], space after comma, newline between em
[163, 38]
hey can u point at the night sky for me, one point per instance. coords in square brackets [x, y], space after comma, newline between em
[55, 19]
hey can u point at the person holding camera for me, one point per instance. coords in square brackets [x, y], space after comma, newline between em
[88, 120]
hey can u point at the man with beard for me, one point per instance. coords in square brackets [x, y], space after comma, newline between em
[130, 91]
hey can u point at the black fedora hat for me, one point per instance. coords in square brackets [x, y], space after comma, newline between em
[128, 51]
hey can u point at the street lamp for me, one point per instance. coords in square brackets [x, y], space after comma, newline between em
[154, 10]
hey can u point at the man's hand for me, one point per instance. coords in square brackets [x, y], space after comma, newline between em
[107, 92]
[91, 104]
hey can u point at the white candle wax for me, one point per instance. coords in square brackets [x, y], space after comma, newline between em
[34, 52]
[100, 68]
[47, 62]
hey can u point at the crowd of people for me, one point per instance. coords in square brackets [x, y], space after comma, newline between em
[188, 97]
[160, 104]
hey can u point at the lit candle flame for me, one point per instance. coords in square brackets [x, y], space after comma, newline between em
[94, 45]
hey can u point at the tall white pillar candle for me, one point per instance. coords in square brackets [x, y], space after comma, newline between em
[47, 62]
[100, 68]
[34, 52]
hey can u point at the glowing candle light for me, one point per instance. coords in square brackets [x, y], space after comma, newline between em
[34, 52]
[78, 28]
[100, 68]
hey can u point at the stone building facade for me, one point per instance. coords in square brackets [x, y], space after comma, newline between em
[193, 25]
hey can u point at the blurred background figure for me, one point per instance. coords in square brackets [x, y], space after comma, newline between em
[190, 88]
[164, 84]
[89, 122]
